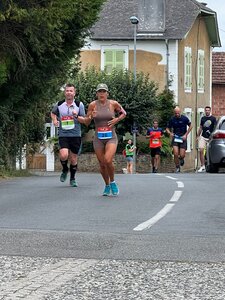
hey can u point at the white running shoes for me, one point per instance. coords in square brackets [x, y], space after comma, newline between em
[201, 169]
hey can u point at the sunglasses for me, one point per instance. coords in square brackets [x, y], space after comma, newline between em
[102, 91]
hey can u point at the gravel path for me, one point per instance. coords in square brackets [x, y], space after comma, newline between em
[90, 279]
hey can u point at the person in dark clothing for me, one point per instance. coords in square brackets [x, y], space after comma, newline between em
[179, 126]
[207, 124]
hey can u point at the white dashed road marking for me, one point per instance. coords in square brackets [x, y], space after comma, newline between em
[176, 196]
[164, 211]
[170, 177]
[180, 184]
[155, 219]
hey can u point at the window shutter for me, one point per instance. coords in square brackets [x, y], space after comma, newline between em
[201, 70]
[108, 61]
[114, 59]
[187, 69]
[119, 59]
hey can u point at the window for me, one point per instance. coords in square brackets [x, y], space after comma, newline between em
[187, 69]
[114, 57]
[200, 115]
[201, 69]
[188, 113]
[222, 127]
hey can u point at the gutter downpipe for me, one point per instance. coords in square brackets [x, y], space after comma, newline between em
[167, 63]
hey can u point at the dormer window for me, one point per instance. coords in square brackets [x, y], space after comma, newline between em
[151, 14]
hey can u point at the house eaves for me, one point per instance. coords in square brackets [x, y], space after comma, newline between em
[211, 22]
[114, 21]
[212, 28]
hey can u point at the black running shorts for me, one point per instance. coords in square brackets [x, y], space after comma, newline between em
[71, 143]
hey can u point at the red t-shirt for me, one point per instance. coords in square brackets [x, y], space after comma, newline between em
[155, 137]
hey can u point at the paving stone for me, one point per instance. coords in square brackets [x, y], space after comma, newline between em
[89, 279]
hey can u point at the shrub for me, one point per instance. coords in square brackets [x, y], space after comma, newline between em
[139, 99]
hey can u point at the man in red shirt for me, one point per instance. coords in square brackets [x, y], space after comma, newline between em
[155, 143]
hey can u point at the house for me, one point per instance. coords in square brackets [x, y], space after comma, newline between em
[218, 83]
[174, 41]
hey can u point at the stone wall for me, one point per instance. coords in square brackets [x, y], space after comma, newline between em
[88, 163]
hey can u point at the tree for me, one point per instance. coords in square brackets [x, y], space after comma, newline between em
[38, 40]
[140, 99]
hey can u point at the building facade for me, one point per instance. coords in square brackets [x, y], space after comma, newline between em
[174, 42]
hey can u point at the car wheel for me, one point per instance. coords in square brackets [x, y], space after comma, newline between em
[211, 168]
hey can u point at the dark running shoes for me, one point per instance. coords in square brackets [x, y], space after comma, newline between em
[177, 170]
[73, 183]
[63, 176]
[181, 162]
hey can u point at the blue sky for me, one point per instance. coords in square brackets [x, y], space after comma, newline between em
[219, 7]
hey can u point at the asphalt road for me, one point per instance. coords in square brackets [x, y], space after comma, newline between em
[58, 220]
[169, 225]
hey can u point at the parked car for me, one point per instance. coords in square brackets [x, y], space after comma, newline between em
[215, 152]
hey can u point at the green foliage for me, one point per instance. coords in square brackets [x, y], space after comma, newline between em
[165, 106]
[39, 39]
[143, 147]
[140, 99]
[137, 99]
[39, 50]
[166, 150]
[5, 173]
[3, 73]
[87, 147]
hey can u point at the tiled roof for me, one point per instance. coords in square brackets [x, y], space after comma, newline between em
[114, 22]
[218, 67]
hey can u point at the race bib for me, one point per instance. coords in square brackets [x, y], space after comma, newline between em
[178, 139]
[104, 133]
[67, 122]
[155, 141]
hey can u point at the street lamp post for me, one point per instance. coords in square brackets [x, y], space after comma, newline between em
[134, 20]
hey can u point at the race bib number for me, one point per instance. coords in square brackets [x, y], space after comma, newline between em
[155, 141]
[178, 139]
[104, 133]
[67, 122]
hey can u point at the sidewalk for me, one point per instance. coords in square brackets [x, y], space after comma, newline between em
[90, 279]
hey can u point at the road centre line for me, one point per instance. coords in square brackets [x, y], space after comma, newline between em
[149, 223]
[176, 196]
[164, 211]
[170, 177]
[180, 184]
